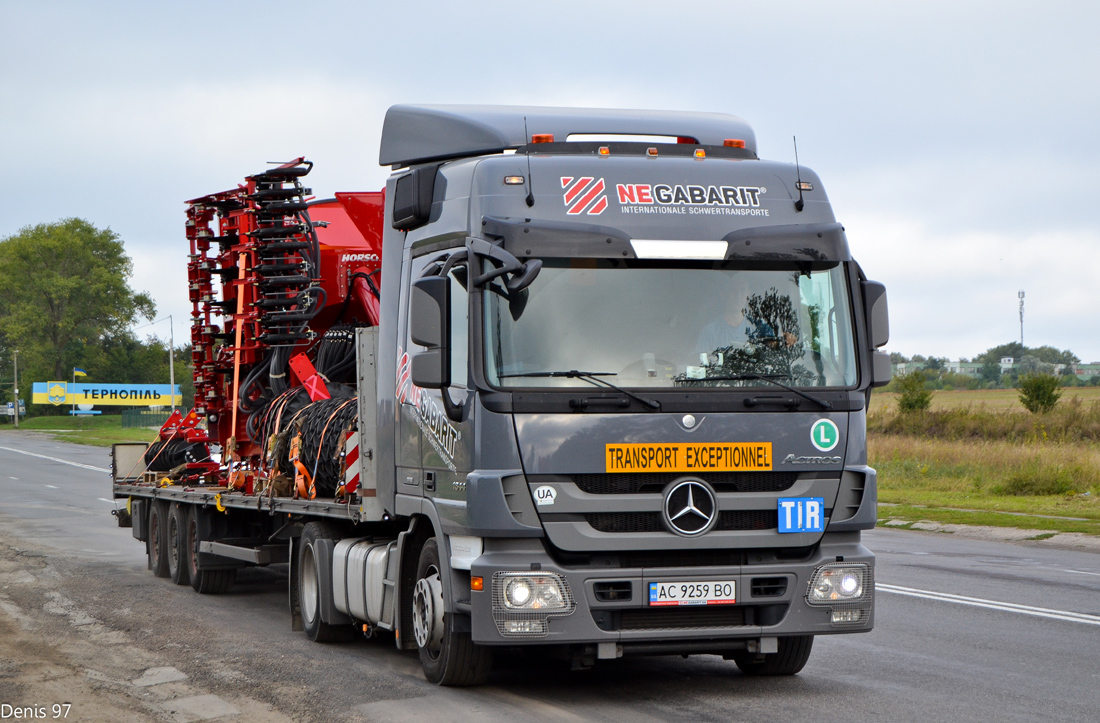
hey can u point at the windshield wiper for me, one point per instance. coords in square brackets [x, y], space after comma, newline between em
[771, 379]
[592, 378]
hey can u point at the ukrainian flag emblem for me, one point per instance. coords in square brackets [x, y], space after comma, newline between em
[57, 392]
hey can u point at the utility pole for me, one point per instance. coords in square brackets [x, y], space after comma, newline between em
[1021, 295]
[171, 363]
[16, 387]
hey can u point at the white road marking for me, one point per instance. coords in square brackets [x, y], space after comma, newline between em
[1082, 572]
[992, 604]
[52, 487]
[55, 459]
[14, 478]
[104, 499]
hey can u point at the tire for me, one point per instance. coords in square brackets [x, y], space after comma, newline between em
[447, 657]
[791, 658]
[309, 587]
[177, 543]
[204, 582]
[158, 538]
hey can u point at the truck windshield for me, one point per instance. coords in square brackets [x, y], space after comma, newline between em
[671, 324]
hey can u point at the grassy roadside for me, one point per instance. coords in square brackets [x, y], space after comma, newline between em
[890, 515]
[977, 458]
[99, 431]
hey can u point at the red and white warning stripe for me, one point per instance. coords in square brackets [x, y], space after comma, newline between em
[351, 461]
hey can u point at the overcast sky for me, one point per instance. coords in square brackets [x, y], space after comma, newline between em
[957, 140]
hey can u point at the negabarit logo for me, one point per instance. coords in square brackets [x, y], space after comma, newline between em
[584, 195]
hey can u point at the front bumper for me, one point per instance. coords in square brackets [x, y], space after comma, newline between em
[771, 601]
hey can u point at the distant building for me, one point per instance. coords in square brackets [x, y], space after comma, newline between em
[1082, 371]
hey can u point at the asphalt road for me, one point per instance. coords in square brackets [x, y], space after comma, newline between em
[965, 630]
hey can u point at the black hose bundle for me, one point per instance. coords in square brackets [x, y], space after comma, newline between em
[165, 455]
[320, 428]
[335, 357]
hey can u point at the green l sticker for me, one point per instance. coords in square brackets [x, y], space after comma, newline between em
[824, 434]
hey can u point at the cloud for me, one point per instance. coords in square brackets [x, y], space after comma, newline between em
[955, 294]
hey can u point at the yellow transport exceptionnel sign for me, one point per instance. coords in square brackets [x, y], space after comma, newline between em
[681, 457]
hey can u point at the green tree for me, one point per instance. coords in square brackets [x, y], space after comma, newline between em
[912, 395]
[1039, 392]
[64, 292]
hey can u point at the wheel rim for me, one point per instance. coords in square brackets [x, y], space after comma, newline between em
[154, 535]
[173, 543]
[428, 612]
[192, 556]
[309, 599]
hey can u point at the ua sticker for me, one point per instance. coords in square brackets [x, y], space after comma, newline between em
[545, 495]
[824, 434]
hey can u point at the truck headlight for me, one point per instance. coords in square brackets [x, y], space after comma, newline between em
[531, 592]
[523, 602]
[845, 588]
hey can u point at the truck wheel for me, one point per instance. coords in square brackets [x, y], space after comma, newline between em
[791, 658]
[448, 657]
[177, 543]
[309, 586]
[158, 538]
[204, 582]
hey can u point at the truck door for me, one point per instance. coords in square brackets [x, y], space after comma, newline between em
[445, 453]
[446, 447]
[407, 431]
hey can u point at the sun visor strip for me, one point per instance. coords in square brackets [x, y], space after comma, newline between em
[525, 238]
[823, 242]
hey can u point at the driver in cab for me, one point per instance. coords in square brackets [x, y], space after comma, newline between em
[733, 327]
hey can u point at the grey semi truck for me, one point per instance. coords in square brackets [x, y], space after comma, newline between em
[602, 392]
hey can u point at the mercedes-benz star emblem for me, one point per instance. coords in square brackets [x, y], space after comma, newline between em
[690, 507]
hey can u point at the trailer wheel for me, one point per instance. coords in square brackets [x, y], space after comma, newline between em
[791, 658]
[177, 543]
[447, 657]
[309, 586]
[204, 582]
[158, 538]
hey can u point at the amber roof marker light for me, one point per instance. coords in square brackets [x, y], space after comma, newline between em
[733, 143]
[542, 137]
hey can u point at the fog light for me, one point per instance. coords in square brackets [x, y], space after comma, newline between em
[847, 616]
[520, 627]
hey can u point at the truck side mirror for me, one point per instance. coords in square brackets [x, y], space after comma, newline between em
[878, 317]
[430, 326]
[878, 330]
[412, 198]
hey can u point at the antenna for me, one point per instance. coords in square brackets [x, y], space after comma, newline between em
[1021, 295]
[799, 204]
[527, 152]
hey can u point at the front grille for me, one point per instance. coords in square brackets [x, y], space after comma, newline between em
[651, 521]
[748, 520]
[630, 484]
[687, 617]
[626, 521]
